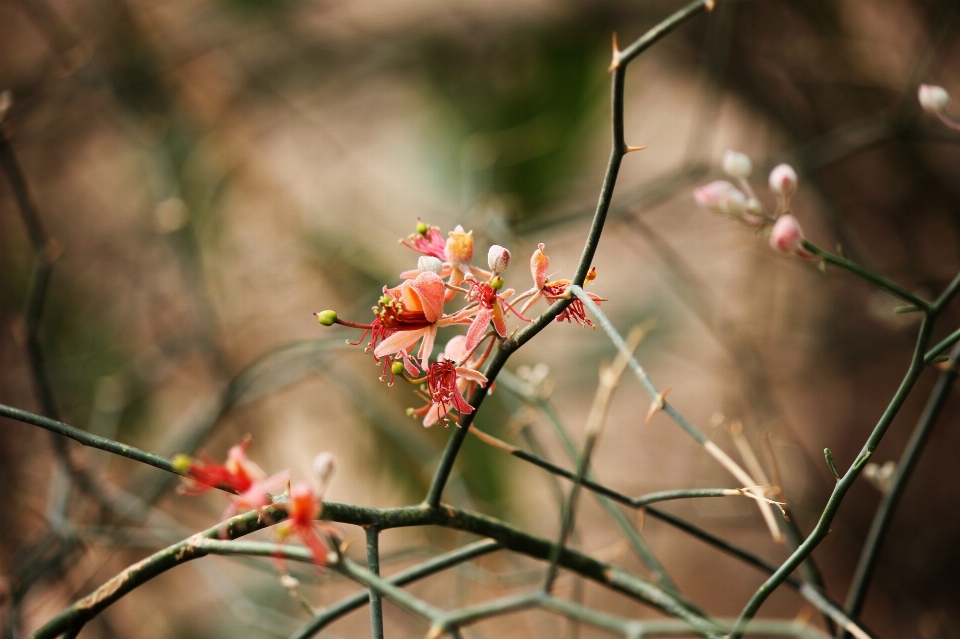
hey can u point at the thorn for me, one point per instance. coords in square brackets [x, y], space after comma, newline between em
[344, 544]
[434, 632]
[656, 405]
[709, 4]
[631, 149]
[615, 62]
[641, 516]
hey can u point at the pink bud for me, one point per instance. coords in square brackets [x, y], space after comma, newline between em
[498, 258]
[323, 465]
[721, 197]
[933, 99]
[783, 180]
[786, 236]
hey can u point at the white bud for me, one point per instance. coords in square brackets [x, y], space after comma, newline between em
[323, 465]
[430, 263]
[721, 197]
[933, 99]
[736, 164]
[498, 258]
[783, 180]
[786, 236]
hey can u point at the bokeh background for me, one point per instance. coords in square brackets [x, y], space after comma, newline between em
[214, 172]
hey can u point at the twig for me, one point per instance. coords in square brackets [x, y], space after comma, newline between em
[609, 378]
[898, 483]
[373, 565]
[508, 346]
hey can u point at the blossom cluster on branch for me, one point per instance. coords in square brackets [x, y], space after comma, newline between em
[414, 311]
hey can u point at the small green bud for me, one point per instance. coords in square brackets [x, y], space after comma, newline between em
[327, 318]
[496, 283]
[396, 368]
[422, 228]
[181, 463]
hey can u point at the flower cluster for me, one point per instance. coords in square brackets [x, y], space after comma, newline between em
[741, 203]
[253, 490]
[413, 312]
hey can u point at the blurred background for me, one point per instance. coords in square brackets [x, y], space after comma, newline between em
[212, 173]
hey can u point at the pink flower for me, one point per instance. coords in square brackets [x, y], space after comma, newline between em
[413, 311]
[787, 236]
[455, 253]
[552, 291]
[491, 307]
[303, 509]
[783, 180]
[238, 474]
[447, 383]
[721, 197]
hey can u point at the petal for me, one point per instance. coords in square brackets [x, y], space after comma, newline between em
[498, 321]
[433, 415]
[478, 328]
[399, 341]
[472, 375]
[539, 264]
[456, 348]
[426, 348]
[428, 290]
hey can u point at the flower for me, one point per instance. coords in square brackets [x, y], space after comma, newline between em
[303, 508]
[736, 164]
[414, 310]
[787, 236]
[552, 291]
[491, 307]
[783, 181]
[721, 197]
[933, 99]
[447, 383]
[455, 254]
[237, 474]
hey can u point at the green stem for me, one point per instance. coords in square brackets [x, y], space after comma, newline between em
[888, 504]
[508, 346]
[373, 565]
[940, 348]
[868, 275]
[840, 490]
[425, 569]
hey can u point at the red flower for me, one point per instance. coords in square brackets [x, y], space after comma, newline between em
[303, 509]
[238, 474]
[491, 307]
[552, 291]
[447, 383]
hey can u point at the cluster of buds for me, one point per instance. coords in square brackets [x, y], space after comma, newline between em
[741, 203]
[253, 490]
[934, 99]
[414, 311]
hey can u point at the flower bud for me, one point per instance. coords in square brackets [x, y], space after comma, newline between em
[323, 465]
[786, 236]
[498, 258]
[182, 463]
[933, 99]
[327, 318]
[783, 180]
[429, 263]
[721, 197]
[736, 164]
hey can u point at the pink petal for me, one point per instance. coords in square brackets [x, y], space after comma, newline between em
[478, 328]
[429, 291]
[399, 341]
[426, 348]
